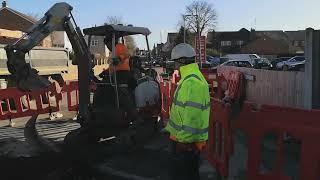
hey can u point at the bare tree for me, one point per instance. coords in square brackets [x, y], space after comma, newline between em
[201, 16]
[34, 16]
[129, 40]
[114, 20]
[130, 43]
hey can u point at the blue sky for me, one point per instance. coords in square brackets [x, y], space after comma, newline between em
[163, 15]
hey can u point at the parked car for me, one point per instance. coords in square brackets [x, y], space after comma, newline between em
[154, 62]
[243, 57]
[169, 66]
[295, 63]
[262, 63]
[224, 59]
[209, 58]
[238, 63]
[214, 61]
[278, 60]
[206, 64]
[158, 61]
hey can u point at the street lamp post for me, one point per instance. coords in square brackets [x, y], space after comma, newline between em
[184, 27]
[184, 24]
[198, 29]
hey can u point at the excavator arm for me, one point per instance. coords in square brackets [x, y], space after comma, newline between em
[57, 18]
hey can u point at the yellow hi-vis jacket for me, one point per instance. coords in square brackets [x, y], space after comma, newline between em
[190, 109]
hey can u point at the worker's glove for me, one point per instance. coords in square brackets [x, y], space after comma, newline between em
[115, 61]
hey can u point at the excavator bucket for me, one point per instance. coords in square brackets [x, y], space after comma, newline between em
[27, 78]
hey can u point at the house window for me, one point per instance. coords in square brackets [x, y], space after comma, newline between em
[240, 43]
[225, 43]
[295, 43]
[94, 43]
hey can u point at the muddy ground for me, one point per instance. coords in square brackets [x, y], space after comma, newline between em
[19, 160]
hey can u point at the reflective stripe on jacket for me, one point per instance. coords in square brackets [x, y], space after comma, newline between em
[189, 114]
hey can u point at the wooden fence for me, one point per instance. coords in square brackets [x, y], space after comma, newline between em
[282, 88]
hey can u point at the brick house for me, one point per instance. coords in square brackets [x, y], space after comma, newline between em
[265, 45]
[170, 42]
[14, 24]
[273, 34]
[296, 41]
[98, 47]
[171, 38]
[58, 39]
[243, 41]
[228, 41]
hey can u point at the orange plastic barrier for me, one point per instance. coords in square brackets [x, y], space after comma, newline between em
[16, 104]
[230, 83]
[300, 124]
[72, 90]
[219, 145]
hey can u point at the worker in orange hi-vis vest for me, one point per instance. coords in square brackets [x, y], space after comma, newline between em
[119, 67]
[122, 53]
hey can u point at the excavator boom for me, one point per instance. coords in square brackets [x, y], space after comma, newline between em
[57, 18]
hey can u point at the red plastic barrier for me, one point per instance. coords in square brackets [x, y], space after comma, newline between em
[211, 77]
[72, 90]
[233, 82]
[166, 99]
[16, 104]
[303, 125]
[219, 145]
[72, 99]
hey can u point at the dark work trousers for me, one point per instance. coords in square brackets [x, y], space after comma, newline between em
[184, 165]
[126, 94]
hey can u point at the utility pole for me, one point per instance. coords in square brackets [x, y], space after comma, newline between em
[184, 28]
[198, 32]
[184, 24]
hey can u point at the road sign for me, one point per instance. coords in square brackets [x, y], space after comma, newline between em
[201, 49]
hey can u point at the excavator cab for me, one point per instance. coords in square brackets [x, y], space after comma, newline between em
[115, 107]
[114, 34]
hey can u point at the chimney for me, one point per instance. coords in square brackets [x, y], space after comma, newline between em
[4, 4]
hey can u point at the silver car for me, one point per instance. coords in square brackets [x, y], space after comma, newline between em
[291, 64]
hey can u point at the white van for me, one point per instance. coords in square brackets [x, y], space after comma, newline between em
[242, 57]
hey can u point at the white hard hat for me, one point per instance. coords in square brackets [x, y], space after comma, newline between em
[182, 50]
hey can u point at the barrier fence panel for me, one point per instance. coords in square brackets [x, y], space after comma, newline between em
[16, 104]
[166, 100]
[286, 124]
[72, 90]
[219, 143]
